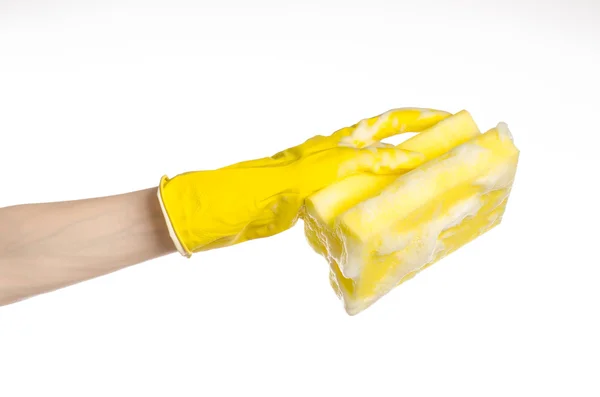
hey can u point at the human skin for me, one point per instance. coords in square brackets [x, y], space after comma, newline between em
[47, 246]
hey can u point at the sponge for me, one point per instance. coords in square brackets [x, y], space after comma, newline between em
[378, 231]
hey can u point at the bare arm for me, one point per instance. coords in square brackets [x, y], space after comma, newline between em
[44, 247]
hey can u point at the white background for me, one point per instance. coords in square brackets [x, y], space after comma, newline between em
[104, 97]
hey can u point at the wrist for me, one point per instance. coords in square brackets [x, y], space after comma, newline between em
[167, 215]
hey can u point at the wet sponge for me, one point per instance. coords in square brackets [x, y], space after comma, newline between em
[378, 231]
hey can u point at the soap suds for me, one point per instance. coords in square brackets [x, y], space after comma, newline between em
[373, 159]
[363, 133]
[391, 242]
[498, 178]
[493, 217]
[429, 237]
[417, 180]
[418, 249]
[369, 209]
[503, 132]
[464, 209]
[426, 113]
[414, 249]
[353, 258]
[469, 153]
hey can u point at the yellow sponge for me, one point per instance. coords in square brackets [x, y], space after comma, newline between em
[378, 231]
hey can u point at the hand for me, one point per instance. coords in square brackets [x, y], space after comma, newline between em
[263, 197]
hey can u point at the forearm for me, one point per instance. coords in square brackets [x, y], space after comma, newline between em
[44, 247]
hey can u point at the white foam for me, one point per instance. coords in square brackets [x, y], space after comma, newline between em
[416, 250]
[503, 131]
[352, 263]
[392, 242]
[469, 153]
[498, 178]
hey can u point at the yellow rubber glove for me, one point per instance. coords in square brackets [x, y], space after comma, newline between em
[260, 198]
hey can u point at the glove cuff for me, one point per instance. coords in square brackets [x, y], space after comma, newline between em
[172, 233]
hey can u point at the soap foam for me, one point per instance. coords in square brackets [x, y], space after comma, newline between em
[503, 132]
[498, 178]
[414, 180]
[354, 257]
[467, 153]
[363, 133]
[391, 243]
[426, 113]
[417, 250]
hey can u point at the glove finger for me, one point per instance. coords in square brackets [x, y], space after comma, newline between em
[317, 143]
[393, 122]
[385, 160]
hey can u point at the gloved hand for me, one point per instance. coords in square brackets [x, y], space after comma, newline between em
[260, 198]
